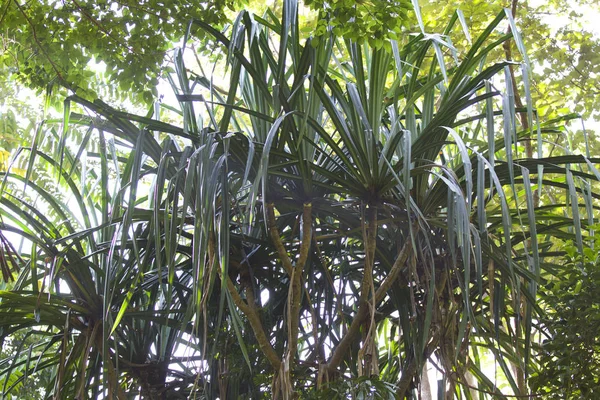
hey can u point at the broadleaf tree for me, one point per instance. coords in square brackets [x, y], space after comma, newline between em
[52, 43]
[569, 347]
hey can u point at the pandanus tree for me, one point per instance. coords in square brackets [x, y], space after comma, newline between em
[343, 215]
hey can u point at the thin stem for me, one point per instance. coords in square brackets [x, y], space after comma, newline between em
[254, 319]
[295, 295]
[342, 347]
[276, 238]
[368, 286]
[37, 41]
[529, 154]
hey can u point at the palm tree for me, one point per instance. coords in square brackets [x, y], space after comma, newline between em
[341, 214]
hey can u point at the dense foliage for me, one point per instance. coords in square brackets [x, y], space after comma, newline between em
[570, 354]
[560, 40]
[373, 21]
[51, 42]
[344, 214]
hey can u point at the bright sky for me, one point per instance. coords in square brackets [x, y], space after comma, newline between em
[589, 19]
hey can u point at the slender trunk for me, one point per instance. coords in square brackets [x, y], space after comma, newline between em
[254, 319]
[113, 382]
[408, 373]
[367, 355]
[283, 383]
[519, 371]
[411, 369]
[296, 292]
[341, 349]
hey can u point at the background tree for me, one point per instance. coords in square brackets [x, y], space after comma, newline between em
[51, 43]
[560, 42]
[570, 346]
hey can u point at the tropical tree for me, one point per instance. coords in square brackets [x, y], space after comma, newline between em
[568, 366]
[343, 216]
[50, 44]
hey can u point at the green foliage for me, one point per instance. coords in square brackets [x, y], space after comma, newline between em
[18, 116]
[52, 42]
[372, 20]
[364, 388]
[24, 389]
[560, 42]
[570, 351]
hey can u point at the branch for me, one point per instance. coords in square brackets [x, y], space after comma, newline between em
[410, 370]
[54, 67]
[394, 271]
[252, 314]
[408, 373]
[295, 290]
[113, 381]
[295, 294]
[276, 238]
[518, 102]
[102, 29]
[370, 240]
[4, 12]
[342, 347]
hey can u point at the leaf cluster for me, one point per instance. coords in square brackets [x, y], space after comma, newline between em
[570, 353]
[373, 21]
[52, 43]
